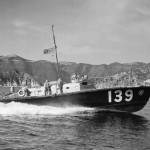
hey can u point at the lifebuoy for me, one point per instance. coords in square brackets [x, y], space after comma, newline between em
[21, 92]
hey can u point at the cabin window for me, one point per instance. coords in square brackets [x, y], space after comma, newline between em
[84, 83]
[67, 87]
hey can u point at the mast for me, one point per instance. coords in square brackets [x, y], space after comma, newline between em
[58, 74]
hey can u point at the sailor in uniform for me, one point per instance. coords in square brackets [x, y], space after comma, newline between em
[46, 87]
[60, 85]
[74, 78]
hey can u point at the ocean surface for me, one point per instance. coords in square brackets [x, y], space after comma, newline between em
[29, 127]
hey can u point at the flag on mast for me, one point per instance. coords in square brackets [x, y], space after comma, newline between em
[49, 50]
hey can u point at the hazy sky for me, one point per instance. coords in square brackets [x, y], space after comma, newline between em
[87, 31]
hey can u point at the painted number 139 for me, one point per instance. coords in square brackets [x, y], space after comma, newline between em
[118, 96]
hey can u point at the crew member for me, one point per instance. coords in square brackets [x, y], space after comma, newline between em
[84, 78]
[46, 87]
[49, 88]
[26, 91]
[74, 78]
[60, 85]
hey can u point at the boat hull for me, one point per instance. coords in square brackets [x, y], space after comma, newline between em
[128, 99]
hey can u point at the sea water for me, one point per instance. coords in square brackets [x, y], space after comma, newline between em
[29, 127]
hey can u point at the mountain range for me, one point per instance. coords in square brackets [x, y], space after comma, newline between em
[14, 68]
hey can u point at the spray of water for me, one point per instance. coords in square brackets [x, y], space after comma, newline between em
[14, 108]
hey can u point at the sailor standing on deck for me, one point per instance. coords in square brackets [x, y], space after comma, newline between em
[49, 88]
[25, 91]
[60, 85]
[46, 87]
[74, 78]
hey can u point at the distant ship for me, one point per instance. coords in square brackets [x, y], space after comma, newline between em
[80, 92]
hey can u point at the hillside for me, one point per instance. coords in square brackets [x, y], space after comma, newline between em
[16, 69]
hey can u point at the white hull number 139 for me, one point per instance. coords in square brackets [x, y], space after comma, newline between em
[119, 96]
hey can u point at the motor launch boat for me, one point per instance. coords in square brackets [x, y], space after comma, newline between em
[83, 93]
[128, 99]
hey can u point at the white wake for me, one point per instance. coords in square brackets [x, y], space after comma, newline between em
[14, 108]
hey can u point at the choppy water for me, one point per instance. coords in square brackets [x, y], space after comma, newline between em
[29, 127]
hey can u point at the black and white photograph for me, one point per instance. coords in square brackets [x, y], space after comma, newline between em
[74, 74]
